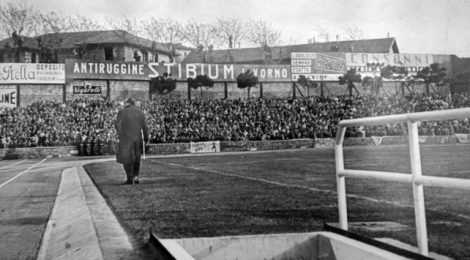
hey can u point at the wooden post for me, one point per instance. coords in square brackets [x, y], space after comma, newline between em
[225, 90]
[150, 90]
[293, 90]
[108, 90]
[18, 95]
[64, 93]
[261, 89]
[189, 91]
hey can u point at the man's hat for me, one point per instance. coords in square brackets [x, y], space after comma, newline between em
[130, 101]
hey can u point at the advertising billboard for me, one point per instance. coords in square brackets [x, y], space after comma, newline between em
[8, 96]
[32, 73]
[318, 66]
[79, 69]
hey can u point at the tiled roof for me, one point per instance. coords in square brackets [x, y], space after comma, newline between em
[281, 54]
[29, 43]
[72, 39]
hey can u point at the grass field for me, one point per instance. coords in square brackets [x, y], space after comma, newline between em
[287, 191]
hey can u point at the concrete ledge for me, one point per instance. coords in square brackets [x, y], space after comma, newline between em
[36, 152]
[70, 233]
[314, 245]
[113, 240]
[81, 225]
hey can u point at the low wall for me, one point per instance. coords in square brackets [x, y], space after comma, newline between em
[393, 140]
[36, 152]
[182, 148]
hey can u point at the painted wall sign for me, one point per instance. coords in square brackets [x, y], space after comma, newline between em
[411, 62]
[87, 89]
[32, 73]
[318, 66]
[402, 59]
[205, 147]
[8, 96]
[78, 69]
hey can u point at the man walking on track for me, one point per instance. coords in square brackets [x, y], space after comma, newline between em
[132, 131]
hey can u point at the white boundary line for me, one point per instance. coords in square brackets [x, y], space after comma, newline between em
[13, 164]
[23, 172]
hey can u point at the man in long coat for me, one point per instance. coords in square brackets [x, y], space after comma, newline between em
[131, 127]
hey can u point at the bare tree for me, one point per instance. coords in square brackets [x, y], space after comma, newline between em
[50, 23]
[262, 34]
[166, 31]
[80, 23]
[354, 33]
[231, 31]
[197, 34]
[19, 18]
[323, 33]
[125, 23]
[129, 30]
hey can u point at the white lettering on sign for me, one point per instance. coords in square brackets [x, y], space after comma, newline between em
[219, 72]
[153, 70]
[330, 63]
[191, 71]
[406, 60]
[18, 73]
[108, 68]
[205, 147]
[301, 63]
[227, 70]
[8, 96]
[301, 70]
[270, 73]
[317, 77]
[303, 55]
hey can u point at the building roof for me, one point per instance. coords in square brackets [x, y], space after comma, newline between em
[180, 46]
[281, 54]
[29, 43]
[72, 39]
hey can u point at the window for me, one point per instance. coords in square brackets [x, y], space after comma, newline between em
[108, 53]
[136, 56]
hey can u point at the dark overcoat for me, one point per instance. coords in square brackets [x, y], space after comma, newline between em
[129, 123]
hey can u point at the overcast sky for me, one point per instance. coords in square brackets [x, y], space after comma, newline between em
[419, 26]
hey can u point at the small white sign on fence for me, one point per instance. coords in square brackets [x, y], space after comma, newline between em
[205, 147]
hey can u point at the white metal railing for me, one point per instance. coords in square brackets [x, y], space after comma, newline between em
[415, 178]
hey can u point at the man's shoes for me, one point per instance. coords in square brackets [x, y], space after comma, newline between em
[128, 182]
[136, 180]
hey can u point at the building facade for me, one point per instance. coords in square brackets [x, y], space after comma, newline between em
[110, 45]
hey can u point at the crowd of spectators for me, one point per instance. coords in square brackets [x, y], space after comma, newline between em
[81, 122]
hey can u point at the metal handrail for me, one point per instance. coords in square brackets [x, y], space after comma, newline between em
[415, 178]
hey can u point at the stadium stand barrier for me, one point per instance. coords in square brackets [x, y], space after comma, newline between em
[415, 178]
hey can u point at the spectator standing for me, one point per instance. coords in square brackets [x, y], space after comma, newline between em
[131, 127]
